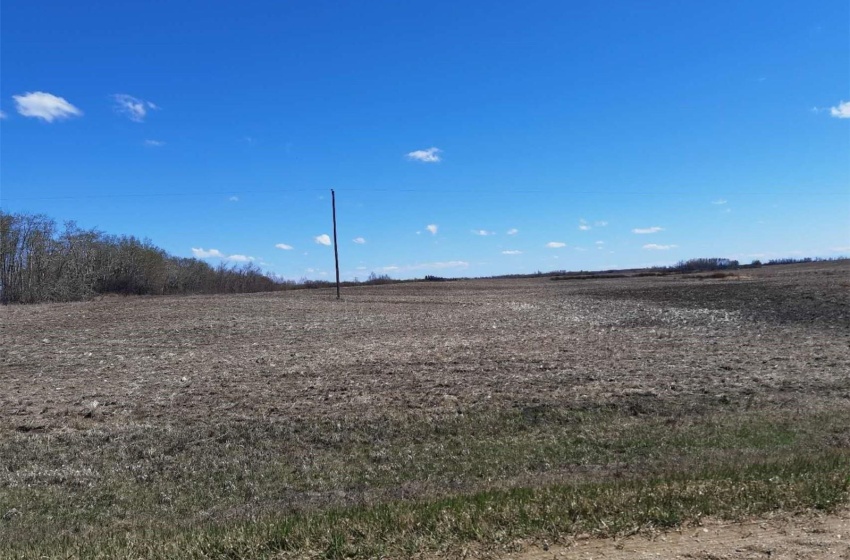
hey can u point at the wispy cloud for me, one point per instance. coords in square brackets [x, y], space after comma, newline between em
[442, 265]
[206, 254]
[555, 244]
[840, 249]
[233, 199]
[284, 246]
[653, 229]
[656, 247]
[583, 225]
[154, 143]
[483, 232]
[841, 111]
[513, 231]
[512, 252]
[719, 202]
[3, 115]
[431, 155]
[600, 223]
[131, 107]
[359, 240]
[432, 228]
[323, 239]
[45, 106]
[201, 253]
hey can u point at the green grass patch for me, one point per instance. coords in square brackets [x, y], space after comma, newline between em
[491, 518]
[376, 486]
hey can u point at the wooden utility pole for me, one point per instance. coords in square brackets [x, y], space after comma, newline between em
[336, 252]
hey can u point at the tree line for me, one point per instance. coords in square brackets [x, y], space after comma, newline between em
[699, 265]
[42, 262]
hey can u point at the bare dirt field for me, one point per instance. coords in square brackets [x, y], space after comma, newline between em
[782, 537]
[158, 416]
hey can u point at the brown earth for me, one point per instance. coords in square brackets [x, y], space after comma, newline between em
[780, 537]
[437, 348]
[775, 338]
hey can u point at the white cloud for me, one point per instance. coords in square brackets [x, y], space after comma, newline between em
[719, 202]
[131, 107]
[432, 228]
[600, 243]
[513, 252]
[584, 225]
[513, 231]
[840, 249]
[656, 247]
[841, 111]
[431, 155]
[154, 143]
[359, 240]
[323, 239]
[201, 253]
[284, 246]
[45, 106]
[653, 229]
[483, 232]
[233, 199]
[3, 114]
[555, 244]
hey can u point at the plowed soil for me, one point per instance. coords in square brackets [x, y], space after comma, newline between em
[770, 335]
[777, 337]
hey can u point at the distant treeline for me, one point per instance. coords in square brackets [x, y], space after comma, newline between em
[42, 262]
[702, 265]
[712, 264]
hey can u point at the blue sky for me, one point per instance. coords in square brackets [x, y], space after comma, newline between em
[462, 138]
